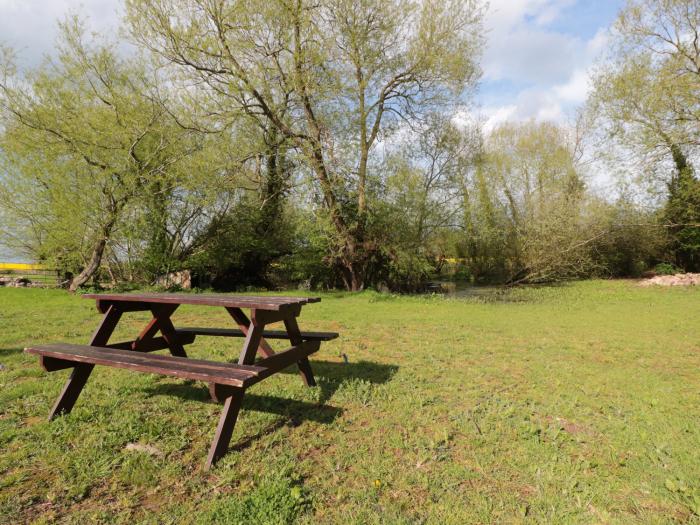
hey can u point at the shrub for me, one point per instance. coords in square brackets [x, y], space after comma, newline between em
[666, 269]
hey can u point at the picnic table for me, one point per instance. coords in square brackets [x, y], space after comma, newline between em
[227, 381]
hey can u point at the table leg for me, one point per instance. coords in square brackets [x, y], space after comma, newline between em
[71, 390]
[224, 430]
[251, 344]
[244, 324]
[161, 318]
[307, 375]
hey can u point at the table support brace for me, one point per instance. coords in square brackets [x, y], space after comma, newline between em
[81, 373]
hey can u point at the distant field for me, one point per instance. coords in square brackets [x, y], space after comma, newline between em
[36, 273]
[571, 404]
[19, 267]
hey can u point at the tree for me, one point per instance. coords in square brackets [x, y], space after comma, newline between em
[84, 138]
[425, 172]
[525, 206]
[647, 97]
[330, 77]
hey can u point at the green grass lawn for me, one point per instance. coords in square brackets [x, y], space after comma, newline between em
[572, 404]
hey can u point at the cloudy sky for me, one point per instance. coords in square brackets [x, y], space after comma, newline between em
[535, 65]
[539, 54]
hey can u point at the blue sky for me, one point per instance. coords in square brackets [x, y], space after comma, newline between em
[535, 65]
[539, 54]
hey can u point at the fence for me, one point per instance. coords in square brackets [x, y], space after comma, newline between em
[35, 273]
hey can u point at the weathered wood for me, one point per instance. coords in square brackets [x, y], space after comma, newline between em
[219, 392]
[72, 388]
[152, 328]
[251, 344]
[244, 323]
[224, 429]
[307, 374]
[51, 364]
[227, 381]
[207, 371]
[282, 360]
[267, 334]
[154, 344]
[161, 314]
[234, 301]
[103, 306]
[262, 317]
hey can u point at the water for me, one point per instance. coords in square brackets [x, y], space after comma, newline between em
[464, 289]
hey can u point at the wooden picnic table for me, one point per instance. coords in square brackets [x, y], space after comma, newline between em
[227, 381]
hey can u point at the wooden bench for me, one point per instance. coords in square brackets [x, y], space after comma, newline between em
[227, 381]
[267, 334]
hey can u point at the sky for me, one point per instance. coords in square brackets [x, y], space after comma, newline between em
[535, 64]
[539, 56]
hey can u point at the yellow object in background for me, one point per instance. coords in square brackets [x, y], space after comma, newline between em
[20, 266]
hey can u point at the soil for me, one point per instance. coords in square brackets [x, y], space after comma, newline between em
[679, 279]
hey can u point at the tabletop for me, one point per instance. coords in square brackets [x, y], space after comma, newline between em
[270, 302]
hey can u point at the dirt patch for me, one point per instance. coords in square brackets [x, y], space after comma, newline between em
[679, 279]
[146, 449]
[568, 426]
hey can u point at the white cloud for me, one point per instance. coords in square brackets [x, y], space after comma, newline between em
[498, 115]
[575, 89]
[550, 70]
[30, 26]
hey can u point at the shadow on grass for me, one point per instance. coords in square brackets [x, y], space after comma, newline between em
[4, 352]
[329, 375]
[291, 412]
[283, 406]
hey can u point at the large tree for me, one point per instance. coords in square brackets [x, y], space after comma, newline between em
[647, 98]
[83, 139]
[331, 77]
[525, 206]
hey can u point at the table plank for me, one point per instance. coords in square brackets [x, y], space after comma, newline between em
[186, 368]
[267, 334]
[227, 301]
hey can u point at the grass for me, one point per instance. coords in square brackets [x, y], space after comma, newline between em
[572, 404]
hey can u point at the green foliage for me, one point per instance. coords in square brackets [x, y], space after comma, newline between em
[645, 100]
[525, 206]
[277, 499]
[358, 70]
[269, 172]
[682, 213]
[238, 248]
[632, 241]
[84, 138]
[311, 245]
[666, 269]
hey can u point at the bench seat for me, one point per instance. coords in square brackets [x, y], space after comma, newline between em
[267, 334]
[61, 356]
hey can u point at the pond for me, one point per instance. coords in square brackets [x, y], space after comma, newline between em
[463, 289]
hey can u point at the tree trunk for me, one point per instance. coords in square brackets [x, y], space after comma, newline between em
[95, 259]
[353, 276]
[92, 267]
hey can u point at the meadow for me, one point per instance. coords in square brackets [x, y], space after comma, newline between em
[577, 403]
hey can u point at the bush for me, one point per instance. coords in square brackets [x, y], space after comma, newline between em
[666, 269]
